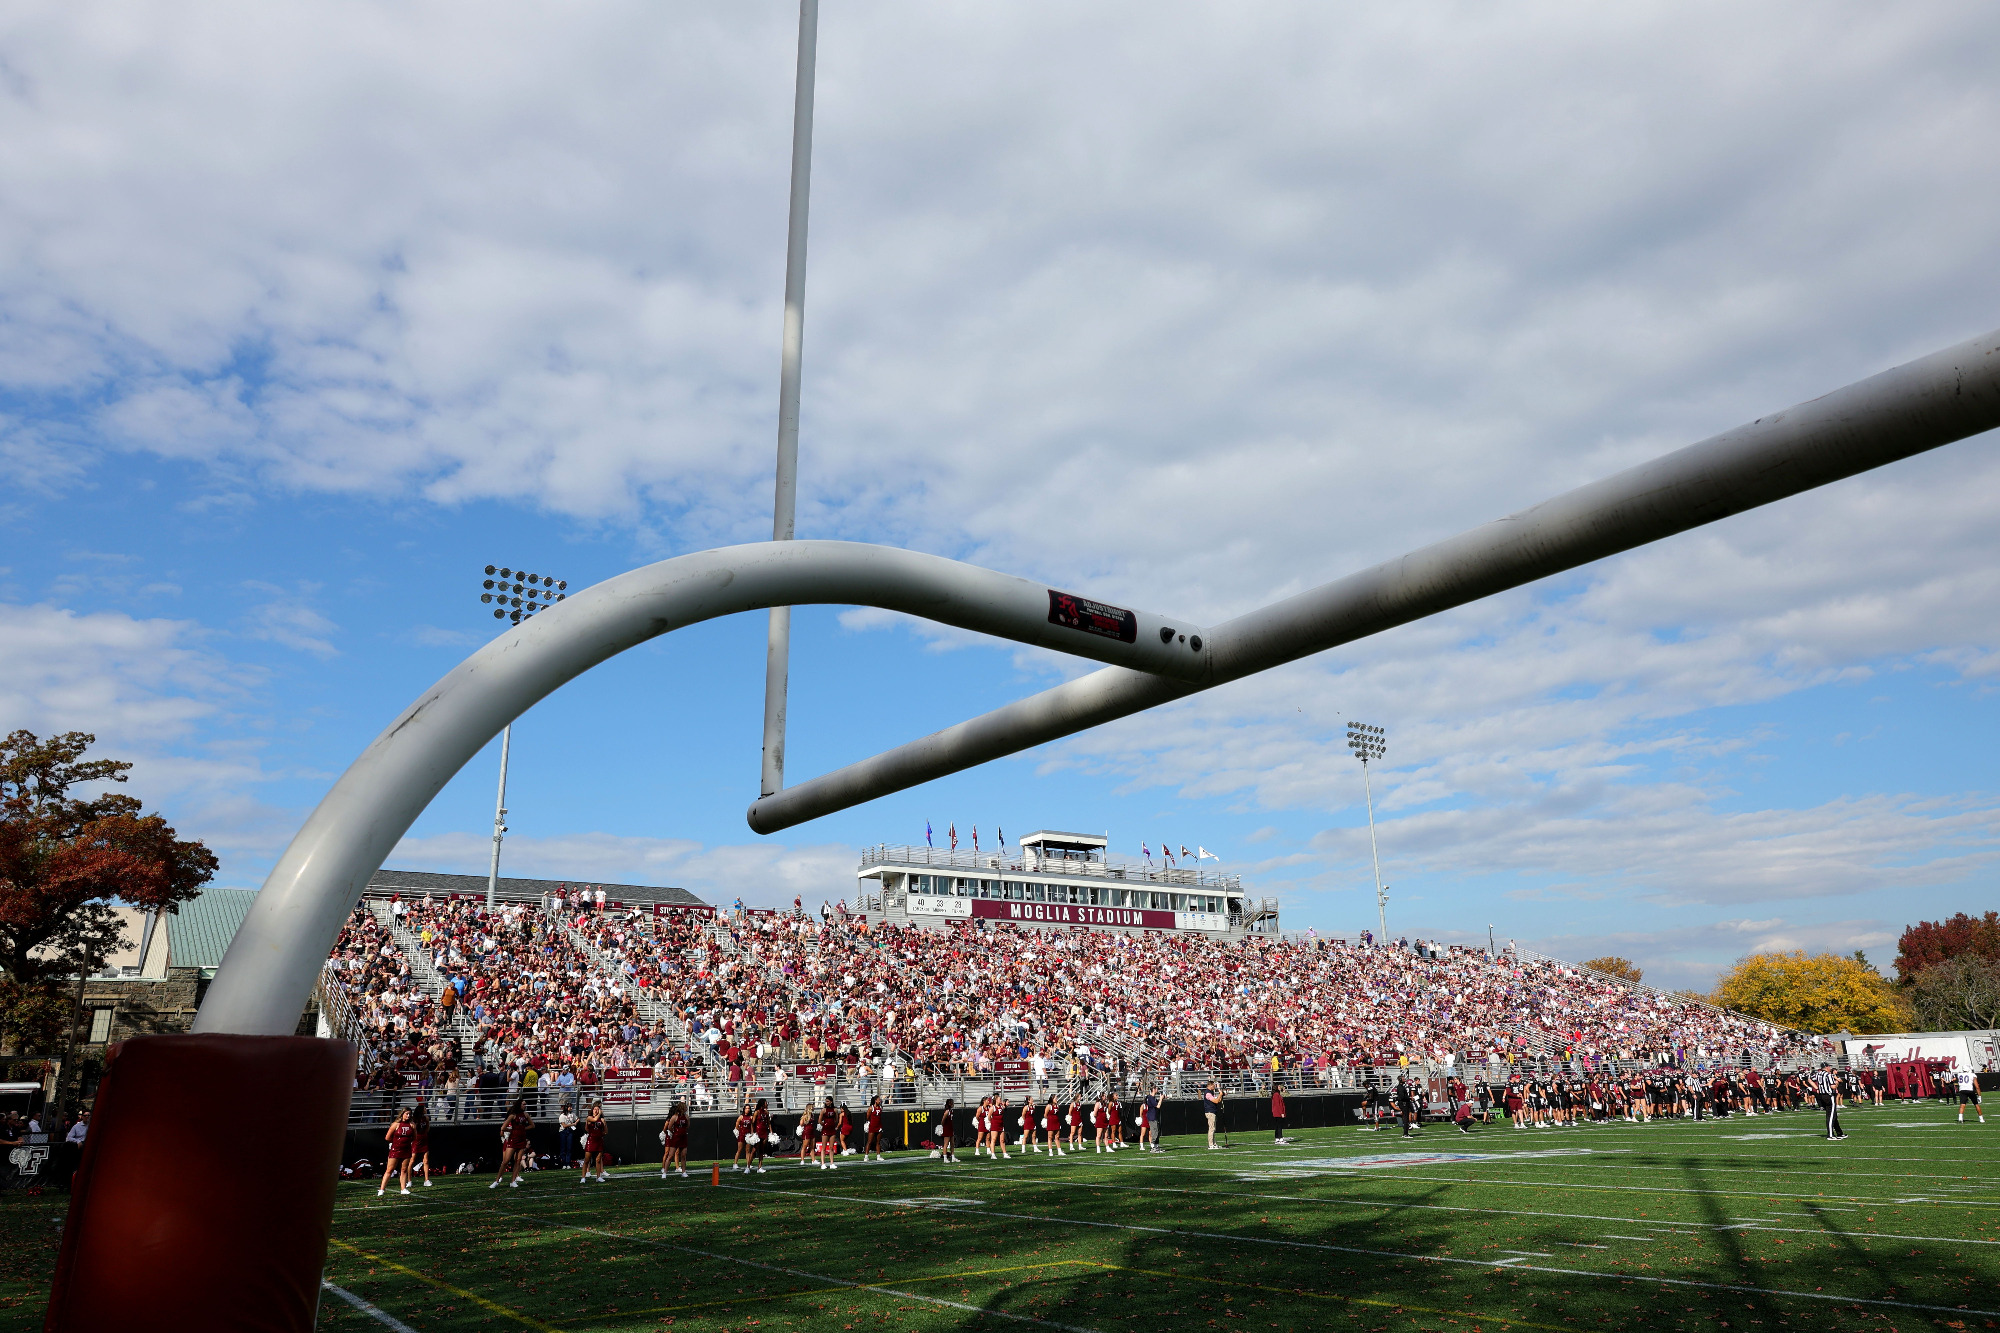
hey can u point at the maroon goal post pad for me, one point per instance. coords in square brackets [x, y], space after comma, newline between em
[205, 1194]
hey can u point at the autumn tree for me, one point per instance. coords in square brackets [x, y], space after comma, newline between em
[1819, 993]
[1613, 965]
[1929, 943]
[63, 858]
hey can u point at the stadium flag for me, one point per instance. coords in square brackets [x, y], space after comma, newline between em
[1185, 853]
[975, 837]
[927, 834]
[1146, 852]
[952, 833]
[1167, 853]
[1201, 852]
[1000, 837]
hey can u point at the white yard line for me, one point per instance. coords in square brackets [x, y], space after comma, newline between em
[375, 1312]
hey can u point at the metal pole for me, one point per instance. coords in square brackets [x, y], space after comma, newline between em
[784, 509]
[499, 817]
[1381, 903]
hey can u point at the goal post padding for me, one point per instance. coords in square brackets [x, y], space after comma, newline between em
[204, 1197]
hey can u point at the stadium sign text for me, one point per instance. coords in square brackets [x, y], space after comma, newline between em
[1065, 914]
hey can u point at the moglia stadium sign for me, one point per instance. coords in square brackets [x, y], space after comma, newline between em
[1065, 914]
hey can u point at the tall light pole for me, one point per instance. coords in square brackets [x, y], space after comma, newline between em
[514, 595]
[1371, 743]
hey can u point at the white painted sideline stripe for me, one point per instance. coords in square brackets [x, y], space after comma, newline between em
[374, 1312]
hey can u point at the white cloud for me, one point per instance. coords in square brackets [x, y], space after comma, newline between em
[132, 681]
[289, 621]
[763, 874]
[154, 693]
[1693, 956]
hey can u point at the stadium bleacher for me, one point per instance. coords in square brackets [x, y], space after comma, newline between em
[671, 1004]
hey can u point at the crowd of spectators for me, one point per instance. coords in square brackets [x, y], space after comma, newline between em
[742, 996]
[541, 1009]
[398, 1026]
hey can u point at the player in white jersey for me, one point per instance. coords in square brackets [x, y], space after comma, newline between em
[1968, 1095]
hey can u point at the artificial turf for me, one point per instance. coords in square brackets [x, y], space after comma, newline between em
[1732, 1224]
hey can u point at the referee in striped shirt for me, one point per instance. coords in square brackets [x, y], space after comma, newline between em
[1826, 1088]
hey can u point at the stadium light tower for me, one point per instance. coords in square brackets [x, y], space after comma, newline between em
[515, 595]
[1371, 743]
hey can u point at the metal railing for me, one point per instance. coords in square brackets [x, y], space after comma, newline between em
[854, 1086]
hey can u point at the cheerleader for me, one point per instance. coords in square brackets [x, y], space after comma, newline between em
[402, 1136]
[674, 1141]
[513, 1143]
[873, 1120]
[1114, 1111]
[745, 1118]
[808, 1137]
[979, 1127]
[1000, 1126]
[1052, 1127]
[594, 1130]
[422, 1147]
[947, 1132]
[760, 1136]
[1076, 1123]
[1030, 1123]
[1100, 1130]
[829, 1136]
[845, 1128]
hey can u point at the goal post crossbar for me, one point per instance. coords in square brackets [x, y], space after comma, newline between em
[1912, 408]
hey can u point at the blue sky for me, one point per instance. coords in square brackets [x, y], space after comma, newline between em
[310, 313]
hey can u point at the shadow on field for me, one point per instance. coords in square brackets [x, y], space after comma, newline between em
[1250, 1257]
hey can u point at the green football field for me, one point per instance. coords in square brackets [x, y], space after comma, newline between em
[1736, 1224]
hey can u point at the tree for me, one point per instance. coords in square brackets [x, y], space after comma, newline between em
[62, 859]
[1961, 992]
[1817, 994]
[1929, 943]
[1613, 965]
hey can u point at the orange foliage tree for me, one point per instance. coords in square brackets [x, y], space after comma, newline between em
[63, 859]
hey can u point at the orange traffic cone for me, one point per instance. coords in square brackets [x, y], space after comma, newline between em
[715, 1174]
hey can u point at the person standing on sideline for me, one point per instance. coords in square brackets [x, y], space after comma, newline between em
[947, 1132]
[1278, 1114]
[566, 1136]
[1968, 1095]
[1211, 1107]
[1826, 1089]
[73, 1147]
[402, 1138]
[1406, 1106]
[1153, 1119]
